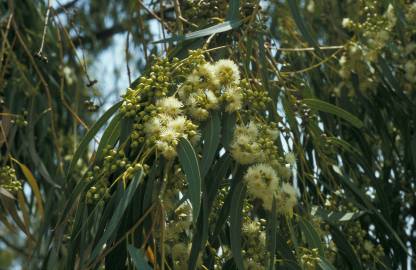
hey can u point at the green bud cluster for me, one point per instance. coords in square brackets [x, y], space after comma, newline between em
[257, 98]
[113, 161]
[8, 179]
[139, 103]
[150, 87]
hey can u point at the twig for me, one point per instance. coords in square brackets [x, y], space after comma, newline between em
[127, 56]
[306, 49]
[109, 249]
[178, 16]
[47, 90]
[39, 54]
[154, 15]
[314, 66]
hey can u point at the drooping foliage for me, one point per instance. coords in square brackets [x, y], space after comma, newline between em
[259, 135]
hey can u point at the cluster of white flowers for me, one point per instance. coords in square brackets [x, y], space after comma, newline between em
[250, 142]
[245, 147]
[208, 85]
[263, 183]
[255, 244]
[286, 199]
[168, 126]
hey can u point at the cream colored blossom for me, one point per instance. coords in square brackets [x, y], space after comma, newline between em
[199, 114]
[227, 72]
[262, 183]
[169, 105]
[347, 23]
[206, 76]
[234, 99]
[286, 199]
[211, 100]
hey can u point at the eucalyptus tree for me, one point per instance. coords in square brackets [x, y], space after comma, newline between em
[259, 135]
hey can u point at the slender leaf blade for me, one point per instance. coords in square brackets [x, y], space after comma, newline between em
[218, 28]
[323, 106]
[189, 162]
[235, 223]
[211, 136]
[138, 258]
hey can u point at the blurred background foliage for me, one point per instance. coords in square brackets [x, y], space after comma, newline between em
[342, 79]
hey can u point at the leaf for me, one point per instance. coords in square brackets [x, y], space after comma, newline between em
[138, 258]
[233, 10]
[271, 237]
[9, 205]
[324, 264]
[110, 136]
[335, 217]
[312, 237]
[34, 185]
[200, 237]
[83, 146]
[235, 223]
[218, 28]
[301, 25]
[118, 213]
[189, 162]
[323, 106]
[229, 120]
[345, 248]
[24, 209]
[219, 172]
[211, 137]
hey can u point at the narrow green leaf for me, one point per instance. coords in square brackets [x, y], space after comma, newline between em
[211, 137]
[138, 258]
[324, 264]
[312, 237]
[219, 172]
[218, 28]
[271, 235]
[233, 10]
[229, 121]
[345, 248]
[323, 106]
[83, 146]
[200, 237]
[235, 223]
[335, 217]
[118, 213]
[294, 9]
[110, 136]
[189, 162]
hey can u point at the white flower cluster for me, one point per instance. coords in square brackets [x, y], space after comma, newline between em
[168, 126]
[286, 199]
[208, 85]
[255, 244]
[246, 146]
[204, 90]
[263, 183]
